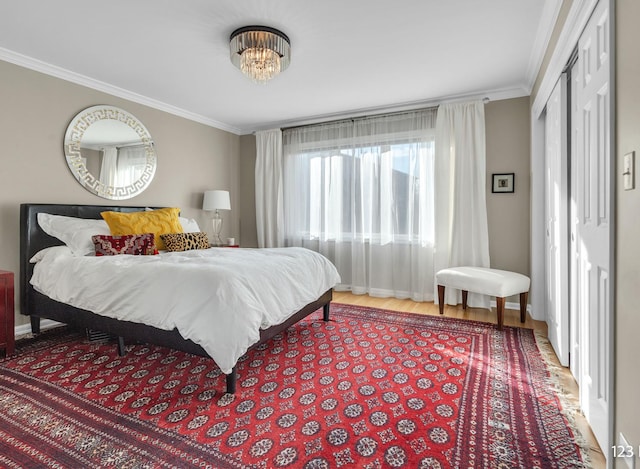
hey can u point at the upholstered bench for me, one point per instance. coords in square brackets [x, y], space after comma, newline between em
[492, 282]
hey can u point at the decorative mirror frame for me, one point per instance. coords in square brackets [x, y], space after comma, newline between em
[72, 150]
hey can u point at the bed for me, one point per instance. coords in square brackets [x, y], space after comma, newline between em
[36, 305]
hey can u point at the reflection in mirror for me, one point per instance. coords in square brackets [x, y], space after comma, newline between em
[110, 152]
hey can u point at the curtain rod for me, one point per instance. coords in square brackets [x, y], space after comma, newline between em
[357, 118]
[131, 145]
[485, 100]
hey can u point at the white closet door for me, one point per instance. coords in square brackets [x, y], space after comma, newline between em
[556, 215]
[574, 318]
[591, 159]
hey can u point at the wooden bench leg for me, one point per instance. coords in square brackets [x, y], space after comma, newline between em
[500, 304]
[441, 298]
[523, 306]
[465, 294]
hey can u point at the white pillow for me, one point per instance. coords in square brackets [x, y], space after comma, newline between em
[38, 256]
[189, 225]
[76, 233]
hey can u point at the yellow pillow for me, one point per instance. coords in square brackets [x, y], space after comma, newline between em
[158, 222]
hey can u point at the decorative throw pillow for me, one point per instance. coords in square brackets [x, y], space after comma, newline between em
[136, 245]
[189, 225]
[185, 241]
[158, 222]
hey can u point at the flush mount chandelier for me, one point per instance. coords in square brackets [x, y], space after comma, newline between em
[260, 52]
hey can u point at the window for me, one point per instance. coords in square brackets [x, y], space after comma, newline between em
[380, 193]
[361, 180]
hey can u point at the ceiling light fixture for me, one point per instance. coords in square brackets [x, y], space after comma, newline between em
[260, 52]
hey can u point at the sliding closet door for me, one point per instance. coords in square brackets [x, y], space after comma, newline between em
[556, 215]
[591, 220]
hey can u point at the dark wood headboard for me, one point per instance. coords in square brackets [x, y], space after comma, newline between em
[33, 239]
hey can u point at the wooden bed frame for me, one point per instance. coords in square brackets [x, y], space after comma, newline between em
[37, 306]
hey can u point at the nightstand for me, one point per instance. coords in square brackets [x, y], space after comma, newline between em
[7, 327]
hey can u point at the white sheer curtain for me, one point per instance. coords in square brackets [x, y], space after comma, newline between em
[269, 189]
[361, 193]
[462, 235]
[109, 166]
[131, 164]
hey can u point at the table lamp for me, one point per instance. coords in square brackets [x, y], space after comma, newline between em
[216, 200]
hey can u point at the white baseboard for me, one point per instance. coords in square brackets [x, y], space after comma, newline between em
[44, 324]
[48, 323]
[511, 305]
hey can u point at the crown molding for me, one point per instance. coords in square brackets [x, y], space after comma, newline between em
[577, 19]
[547, 23]
[64, 74]
[88, 82]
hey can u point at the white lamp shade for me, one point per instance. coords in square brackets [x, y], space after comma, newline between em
[216, 200]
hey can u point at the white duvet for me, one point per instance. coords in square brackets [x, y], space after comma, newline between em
[219, 298]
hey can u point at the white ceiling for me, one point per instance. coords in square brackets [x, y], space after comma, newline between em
[349, 57]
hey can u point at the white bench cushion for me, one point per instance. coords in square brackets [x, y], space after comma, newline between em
[493, 282]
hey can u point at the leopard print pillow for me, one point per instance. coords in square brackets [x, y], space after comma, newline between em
[185, 241]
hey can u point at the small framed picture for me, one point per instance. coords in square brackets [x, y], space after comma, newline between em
[502, 182]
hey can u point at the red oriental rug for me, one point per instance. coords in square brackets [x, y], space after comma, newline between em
[369, 389]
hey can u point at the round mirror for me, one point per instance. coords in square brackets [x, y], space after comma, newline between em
[110, 152]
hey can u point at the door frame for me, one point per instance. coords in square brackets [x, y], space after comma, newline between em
[557, 234]
[577, 18]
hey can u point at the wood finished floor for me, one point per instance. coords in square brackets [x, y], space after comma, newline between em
[511, 318]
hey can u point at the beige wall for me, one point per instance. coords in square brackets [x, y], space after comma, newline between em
[248, 234]
[507, 134]
[627, 240]
[34, 114]
[193, 158]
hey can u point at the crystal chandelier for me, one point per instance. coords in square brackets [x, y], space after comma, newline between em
[260, 52]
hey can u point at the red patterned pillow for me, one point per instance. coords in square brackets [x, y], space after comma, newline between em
[137, 245]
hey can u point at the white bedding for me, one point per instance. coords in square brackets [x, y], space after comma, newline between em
[219, 298]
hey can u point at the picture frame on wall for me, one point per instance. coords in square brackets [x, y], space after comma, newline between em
[503, 183]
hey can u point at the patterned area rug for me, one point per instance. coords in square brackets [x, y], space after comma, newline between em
[369, 389]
